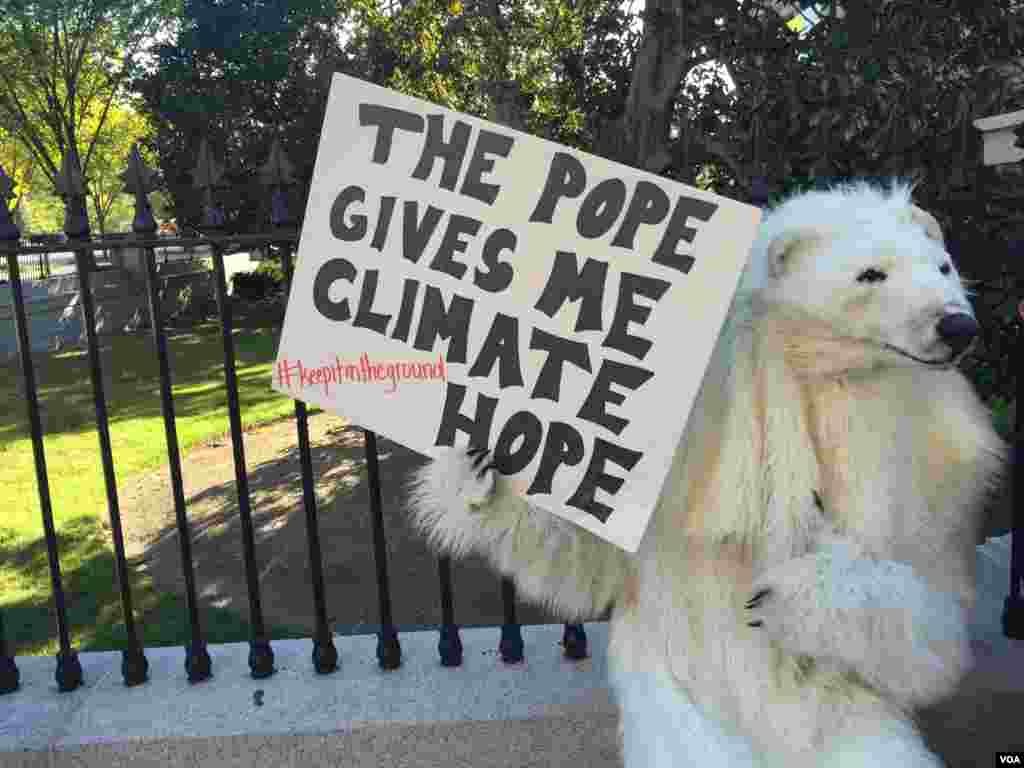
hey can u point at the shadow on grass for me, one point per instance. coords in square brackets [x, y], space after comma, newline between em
[93, 601]
[340, 475]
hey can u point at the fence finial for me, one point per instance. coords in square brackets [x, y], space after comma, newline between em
[70, 185]
[8, 229]
[278, 170]
[207, 176]
[278, 173]
[139, 180]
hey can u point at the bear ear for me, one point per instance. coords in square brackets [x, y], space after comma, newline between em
[929, 222]
[784, 251]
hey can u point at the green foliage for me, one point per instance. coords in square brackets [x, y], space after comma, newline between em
[1004, 414]
[272, 269]
[238, 73]
[888, 88]
[41, 213]
[65, 64]
[256, 285]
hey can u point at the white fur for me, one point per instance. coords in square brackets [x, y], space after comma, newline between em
[813, 385]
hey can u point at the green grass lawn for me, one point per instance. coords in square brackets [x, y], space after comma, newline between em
[131, 382]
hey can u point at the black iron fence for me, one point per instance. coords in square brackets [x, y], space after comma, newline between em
[282, 236]
[45, 256]
[34, 266]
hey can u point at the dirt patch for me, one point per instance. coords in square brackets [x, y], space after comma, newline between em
[279, 521]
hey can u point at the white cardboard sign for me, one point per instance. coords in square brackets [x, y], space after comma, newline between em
[458, 282]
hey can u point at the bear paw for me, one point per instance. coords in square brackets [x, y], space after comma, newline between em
[876, 616]
[467, 477]
[785, 605]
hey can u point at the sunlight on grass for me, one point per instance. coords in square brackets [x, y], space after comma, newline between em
[78, 493]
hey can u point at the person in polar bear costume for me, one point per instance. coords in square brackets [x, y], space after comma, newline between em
[804, 581]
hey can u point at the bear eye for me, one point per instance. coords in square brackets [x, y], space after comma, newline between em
[871, 275]
[945, 268]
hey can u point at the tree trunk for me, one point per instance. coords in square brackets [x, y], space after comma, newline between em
[640, 138]
[507, 103]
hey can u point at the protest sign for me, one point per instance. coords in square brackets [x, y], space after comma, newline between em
[458, 282]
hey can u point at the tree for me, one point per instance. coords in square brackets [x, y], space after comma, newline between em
[239, 73]
[892, 89]
[34, 194]
[879, 88]
[18, 164]
[65, 65]
[124, 127]
[848, 97]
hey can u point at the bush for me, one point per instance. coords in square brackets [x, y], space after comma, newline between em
[273, 270]
[254, 286]
[1004, 416]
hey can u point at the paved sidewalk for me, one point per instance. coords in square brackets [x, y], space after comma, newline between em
[987, 713]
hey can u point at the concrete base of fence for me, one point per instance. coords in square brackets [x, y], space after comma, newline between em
[545, 711]
[484, 714]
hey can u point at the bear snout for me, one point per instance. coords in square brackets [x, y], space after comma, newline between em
[957, 331]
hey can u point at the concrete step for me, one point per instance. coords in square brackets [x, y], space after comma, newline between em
[544, 711]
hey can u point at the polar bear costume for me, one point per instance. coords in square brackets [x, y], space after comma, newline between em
[805, 578]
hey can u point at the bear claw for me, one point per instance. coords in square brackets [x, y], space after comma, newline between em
[480, 463]
[757, 597]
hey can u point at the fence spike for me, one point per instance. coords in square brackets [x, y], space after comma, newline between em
[8, 229]
[139, 180]
[277, 173]
[278, 170]
[208, 172]
[70, 185]
[207, 176]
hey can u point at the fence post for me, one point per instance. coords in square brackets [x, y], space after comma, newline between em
[449, 645]
[10, 677]
[138, 181]
[1013, 607]
[70, 186]
[505, 97]
[389, 651]
[510, 647]
[69, 669]
[277, 173]
[134, 667]
[207, 176]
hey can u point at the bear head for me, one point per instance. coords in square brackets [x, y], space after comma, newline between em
[866, 270]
